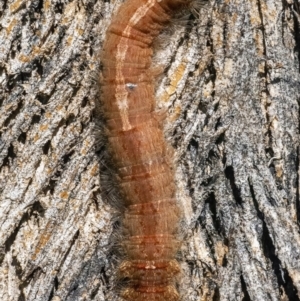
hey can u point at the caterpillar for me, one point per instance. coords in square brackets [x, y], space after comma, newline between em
[139, 150]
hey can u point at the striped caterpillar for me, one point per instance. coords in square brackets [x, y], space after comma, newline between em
[139, 150]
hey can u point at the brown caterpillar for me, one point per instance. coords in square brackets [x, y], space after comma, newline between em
[139, 150]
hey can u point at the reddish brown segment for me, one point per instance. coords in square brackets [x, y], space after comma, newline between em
[140, 151]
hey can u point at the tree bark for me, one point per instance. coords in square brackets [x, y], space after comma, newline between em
[231, 91]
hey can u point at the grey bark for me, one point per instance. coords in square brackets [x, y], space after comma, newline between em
[231, 90]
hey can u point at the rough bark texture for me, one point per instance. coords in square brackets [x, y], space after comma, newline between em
[231, 87]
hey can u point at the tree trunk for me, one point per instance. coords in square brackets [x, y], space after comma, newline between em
[231, 91]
